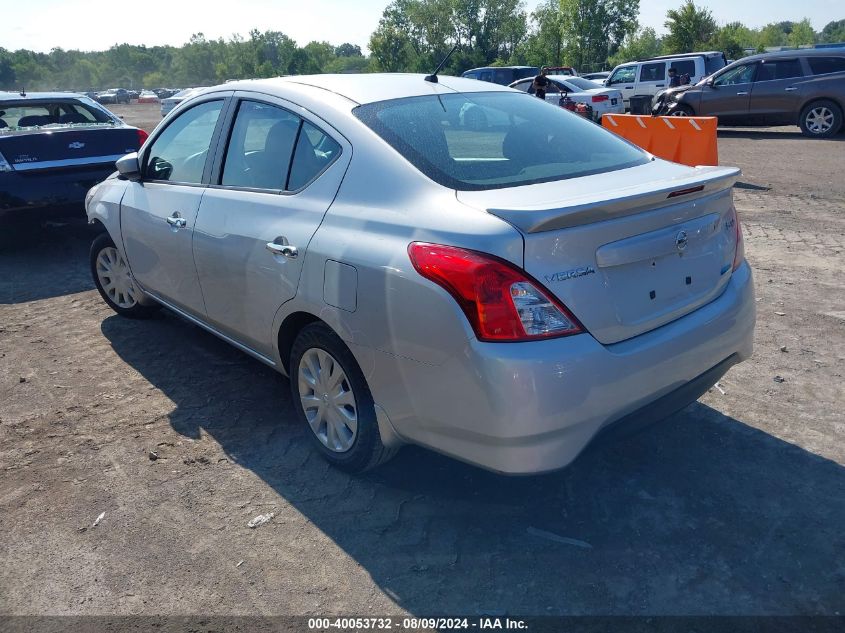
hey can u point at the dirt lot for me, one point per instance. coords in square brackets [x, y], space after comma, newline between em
[735, 505]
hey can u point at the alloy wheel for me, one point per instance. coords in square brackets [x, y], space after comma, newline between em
[115, 278]
[328, 400]
[819, 120]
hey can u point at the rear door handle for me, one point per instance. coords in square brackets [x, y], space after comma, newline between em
[740, 94]
[291, 252]
[791, 89]
[660, 85]
[177, 221]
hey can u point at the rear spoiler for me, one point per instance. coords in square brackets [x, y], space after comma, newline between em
[612, 204]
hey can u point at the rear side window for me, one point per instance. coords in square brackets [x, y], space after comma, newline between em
[471, 75]
[260, 147]
[503, 77]
[824, 65]
[314, 152]
[490, 140]
[779, 69]
[653, 72]
[179, 153]
[486, 75]
[684, 67]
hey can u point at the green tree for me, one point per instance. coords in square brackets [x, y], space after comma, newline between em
[771, 36]
[594, 29]
[690, 28]
[732, 39]
[641, 45]
[802, 34]
[348, 50]
[833, 32]
[544, 44]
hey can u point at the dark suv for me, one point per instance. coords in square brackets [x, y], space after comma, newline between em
[502, 75]
[798, 87]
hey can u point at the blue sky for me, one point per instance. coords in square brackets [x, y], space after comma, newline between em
[96, 25]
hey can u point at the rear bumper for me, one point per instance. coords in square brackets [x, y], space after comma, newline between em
[48, 193]
[533, 407]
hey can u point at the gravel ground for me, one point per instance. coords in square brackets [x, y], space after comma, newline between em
[733, 506]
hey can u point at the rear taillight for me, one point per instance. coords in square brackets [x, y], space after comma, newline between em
[142, 137]
[739, 255]
[600, 98]
[501, 302]
[4, 164]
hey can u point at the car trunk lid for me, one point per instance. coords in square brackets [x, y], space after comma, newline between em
[67, 147]
[626, 251]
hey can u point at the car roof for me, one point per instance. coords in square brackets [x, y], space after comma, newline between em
[368, 87]
[500, 68]
[795, 52]
[16, 96]
[677, 55]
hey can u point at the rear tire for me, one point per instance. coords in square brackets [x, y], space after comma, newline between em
[114, 281]
[820, 119]
[333, 401]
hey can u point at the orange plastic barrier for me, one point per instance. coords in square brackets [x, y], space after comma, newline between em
[687, 140]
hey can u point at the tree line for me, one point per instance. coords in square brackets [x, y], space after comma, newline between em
[414, 36]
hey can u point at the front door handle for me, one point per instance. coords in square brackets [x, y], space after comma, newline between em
[660, 85]
[791, 89]
[291, 252]
[741, 94]
[177, 221]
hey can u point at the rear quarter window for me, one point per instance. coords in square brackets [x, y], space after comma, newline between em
[713, 63]
[684, 67]
[825, 65]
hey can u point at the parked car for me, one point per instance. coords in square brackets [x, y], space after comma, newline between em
[502, 75]
[53, 148]
[650, 76]
[797, 87]
[569, 71]
[148, 96]
[168, 103]
[599, 78]
[113, 96]
[602, 100]
[502, 297]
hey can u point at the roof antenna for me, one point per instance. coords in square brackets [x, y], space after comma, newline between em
[433, 76]
[23, 91]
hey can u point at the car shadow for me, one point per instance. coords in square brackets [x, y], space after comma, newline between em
[789, 133]
[44, 261]
[700, 514]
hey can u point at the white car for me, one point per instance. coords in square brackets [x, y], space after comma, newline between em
[602, 100]
[171, 102]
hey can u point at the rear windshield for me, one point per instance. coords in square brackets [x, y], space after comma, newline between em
[31, 114]
[491, 140]
[583, 84]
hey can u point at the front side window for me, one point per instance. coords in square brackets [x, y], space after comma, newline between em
[489, 140]
[742, 74]
[779, 69]
[179, 153]
[653, 72]
[260, 147]
[623, 75]
[825, 65]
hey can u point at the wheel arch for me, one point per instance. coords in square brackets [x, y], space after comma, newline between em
[840, 103]
[289, 329]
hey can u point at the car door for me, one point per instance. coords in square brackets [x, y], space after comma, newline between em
[158, 212]
[652, 78]
[623, 79]
[776, 92]
[727, 95]
[270, 189]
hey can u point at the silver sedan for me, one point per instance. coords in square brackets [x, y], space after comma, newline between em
[502, 293]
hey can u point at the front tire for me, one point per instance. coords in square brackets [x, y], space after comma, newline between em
[332, 399]
[682, 110]
[820, 119]
[114, 280]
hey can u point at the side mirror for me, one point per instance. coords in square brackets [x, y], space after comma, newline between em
[129, 167]
[710, 83]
